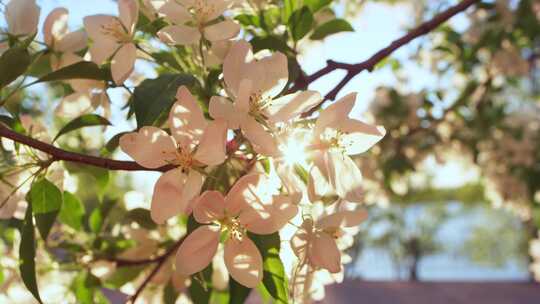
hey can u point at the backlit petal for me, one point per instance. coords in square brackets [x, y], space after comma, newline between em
[75, 105]
[267, 218]
[72, 42]
[186, 119]
[340, 219]
[175, 12]
[222, 108]
[236, 65]
[324, 253]
[151, 147]
[301, 239]
[358, 136]
[336, 112]
[209, 207]
[22, 17]
[224, 30]
[245, 191]
[55, 26]
[345, 177]
[123, 62]
[179, 34]
[197, 250]
[212, 146]
[167, 197]
[128, 13]
[292, 105]
[270, 74]
[244, 261]
[261, 140]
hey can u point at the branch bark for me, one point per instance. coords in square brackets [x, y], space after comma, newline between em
[370, 63]
[352, 70]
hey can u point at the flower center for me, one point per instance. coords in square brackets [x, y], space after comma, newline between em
[202, 11]
[332, 138]
[257, 103]
[184, 159]
[234, 227]
[116, 30]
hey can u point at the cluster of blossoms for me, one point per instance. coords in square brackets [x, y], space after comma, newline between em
[312, 184]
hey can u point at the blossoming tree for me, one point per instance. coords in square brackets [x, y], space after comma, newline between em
[261, 181]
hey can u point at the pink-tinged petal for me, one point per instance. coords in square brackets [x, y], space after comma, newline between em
[336, 112]
[192, 189]
[222, 108]
[179, 34]
[72, 42]
[175, 13]
[293, 184]
[63, 60]
[103, 46]
[237, 65]
[209, 207]
[292, 105]
[245, 191]
[345, 177]
[261, 140]
[268, 218]
[244, 261]
[357, 136]
[218, 7]
[128, 14]
[86, 85]
[301, 239]
[186, 119]
[22, 17]
[224, 30]
[9, 204]
[167, 197]
[197, 250]
[319, 180]
[341, 219]
[324, 253]
[270, 74]
[75, 105]
[123, 62]
[55, 26]
[245, 90]
[212, 147]
[151, 147]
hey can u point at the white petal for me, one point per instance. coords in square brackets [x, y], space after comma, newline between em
[236, 65]
[270, 74]
[212, 147]
[261, 140]
[151, 147]
[246, 190]
[222, 108]
[197, 250]
[103, 46]
[340, 219]
[268, 217]
[301, 239]
[123, 62]
[72, 42]
[345, 176]
[22, 17]
[168, 198]
[128, 13]
[357, 136]
[224, 30]
[179, 34]
[292, 105]
[244, 262]
[186, 119]
[175, 12]
[319, 178]
[55, 26]
[324, 253]
[336, 112]
[209, 207]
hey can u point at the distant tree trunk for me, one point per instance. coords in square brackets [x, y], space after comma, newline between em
[416, 254]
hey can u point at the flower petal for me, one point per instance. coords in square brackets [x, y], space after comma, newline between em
[358, 137]
[267, 218]
[197, 250]
[186, 119]
[246, 190]
[270, 74]
[75, 105]
[128, 13]
[324, 253]
[209, 207]
[55, 26]
[345, 177]
[151, 147]
[301, 239]
[103, 45]
[292, 105]
[319, 180]
[22, 17]
[175, 12]
[261, 140]
[212, 147]
[336, 112]
[236, 65]
[224, 30]
[179, 34]
[222, 108]
[218, 7]
[244, 261]
[72, 42]
[341, 219]
[123, 62]
[192, 189]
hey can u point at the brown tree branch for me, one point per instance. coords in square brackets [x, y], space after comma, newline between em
[352, 70]
[369, 64]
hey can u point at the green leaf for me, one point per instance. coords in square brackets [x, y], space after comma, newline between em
[153, 97]
[122, 276]
[274, 279]
[79, 70]
[27, 255]
[331, 27]
[72, 211]
[200, 288]
[88, 120]
[248, 20]
[142, 217]
[169, 293]
[13, 63]
[84, 286]
[300, 23]
[289, 6]
[238, 292]
[113, 143]
[1, 275]
[95, 221]
[316, 5]
[270, 43]
[46, 201]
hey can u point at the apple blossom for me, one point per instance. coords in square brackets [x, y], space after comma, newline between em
[249, 206]
[22, 17]
[59, 39]
[193, 19]
[194, 143]
[254, 86]
[113, 36]
[87, 96]
[314, 242]
[335, 138]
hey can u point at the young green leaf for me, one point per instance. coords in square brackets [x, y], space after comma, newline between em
[79, 70]
[27, 255]
[153, 97]
[300, 23]
[88, 120]
[316, 5]
[72, 211]
[46, 201]
[13, 63]
[169, 293]
[331, 27]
